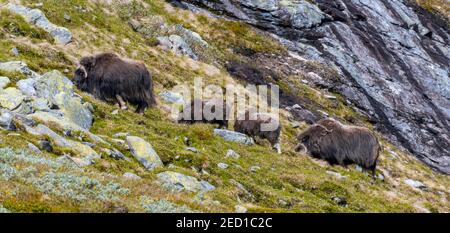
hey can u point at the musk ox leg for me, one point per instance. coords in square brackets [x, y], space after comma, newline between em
[277, 147]
[141, 109]
[121, 102]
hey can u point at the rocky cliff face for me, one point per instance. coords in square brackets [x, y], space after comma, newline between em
[393, 58]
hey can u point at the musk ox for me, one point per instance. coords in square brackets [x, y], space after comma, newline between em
[252, 124]
[109, 78]
[213, 111]
[340, 144]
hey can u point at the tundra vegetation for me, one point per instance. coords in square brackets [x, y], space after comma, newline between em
[258, 180]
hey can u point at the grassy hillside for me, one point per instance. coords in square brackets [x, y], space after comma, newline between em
[289, 182]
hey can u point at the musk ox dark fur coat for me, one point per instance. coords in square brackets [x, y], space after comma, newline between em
[109, 78]
[250, 123]
[340, 144]
[219, 109]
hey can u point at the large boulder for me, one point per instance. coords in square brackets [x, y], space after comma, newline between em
[177, 182]
[144, 152]
[59, 91]
[35, 16]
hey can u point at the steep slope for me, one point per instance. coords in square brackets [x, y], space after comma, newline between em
[393, 58]
[258, 180]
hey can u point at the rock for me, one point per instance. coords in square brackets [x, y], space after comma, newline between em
[232, 136]
[337, 175]
[178, 182]
[172, 97]
[75, 147]
[191, 37]
[18, 66]
[52, 84]
[34, 16]
[177, 45]
[74, 110]
[144, 152]
[34, 148]
[14, 51]
[255, 168]
[192, 149]
[232, 154]
[6, 119]
[415, 184]
[164, 206]
[27, 86]
[340, 201]
[222, 166]
[115, 112]
[4, 81]
[52, 118]
[240, 209]
[67, 17]
[59, 91]
[305, 115]
[45, 145]
[11, 98]
[115, 154]
[40, 104]
[131, 176]
[121, 135]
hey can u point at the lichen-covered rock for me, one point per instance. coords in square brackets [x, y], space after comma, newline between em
[52, 84]
[77, 148]
[27, 86]
[55, 119]
[4, 81]
[18, 66]
[232, 136]
[172, 97]
[59, 91]
[177, 44]
[35, 16]
[11, 98]
[74, 110]
[6, 118]
[144, 152]
[177, 182]
[163, 206]
[415, 184]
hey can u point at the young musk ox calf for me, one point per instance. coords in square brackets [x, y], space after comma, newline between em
[213, 111]
[340, 144]
[109, 78]
[253, 123]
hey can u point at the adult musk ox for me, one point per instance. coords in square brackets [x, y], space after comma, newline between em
[110, 78]
[254, 123]
[340, 144]
[213, 111]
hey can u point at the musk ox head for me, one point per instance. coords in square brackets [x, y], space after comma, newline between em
[79, 77]
[310, 138]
